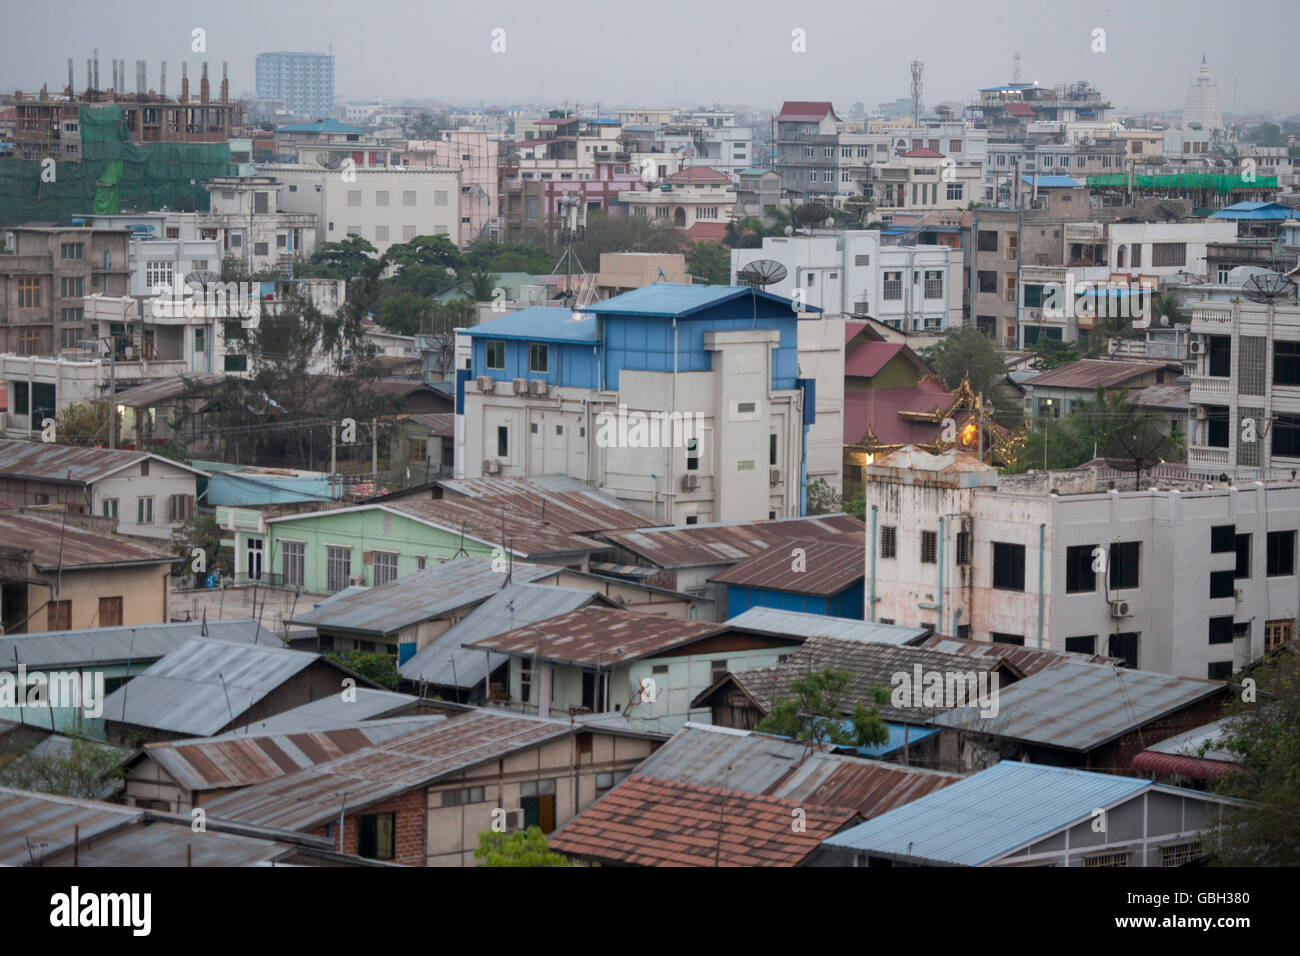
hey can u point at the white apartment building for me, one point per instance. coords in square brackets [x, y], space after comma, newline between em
[693, 195]
[1245, 387]
[246, 218]
[474, 153]
[1195, 582]
[726, 148]
[165, 247]
[860, 273]
[383, 206]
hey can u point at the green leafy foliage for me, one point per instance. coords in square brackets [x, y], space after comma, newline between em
[967, 353]
[710, 262]
[521, 848]
[814, 713]
[85, 423]
[201, 531]
[380, 668]
[1053, 353]
[89, 770]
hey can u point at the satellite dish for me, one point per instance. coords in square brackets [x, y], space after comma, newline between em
[202, 278]
[1268, 287]
[328, 160]
[761, 273]
[812, 213]
[1170, 211]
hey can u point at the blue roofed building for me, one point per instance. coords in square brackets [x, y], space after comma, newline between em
[684, 400]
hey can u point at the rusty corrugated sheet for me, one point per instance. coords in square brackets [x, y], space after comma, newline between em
[524, 534]
[165, 390]
[53, 544]
[1175, 764]
[870, 787]
[823, 569]
[67, 463]
[1090, 373]
[703, 545]
[1027, 660]
[37, 823]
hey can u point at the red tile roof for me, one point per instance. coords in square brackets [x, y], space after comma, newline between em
[805, 110]
[647, 822]
[707, 232]
[698, 175]
[1019, 109]
[923, 153]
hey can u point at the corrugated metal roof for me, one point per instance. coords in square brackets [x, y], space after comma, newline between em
[1171, 397]
[1189, 744]
[34, 824]
[598, 636]
[826, 568]
[54, 544]
[110, 645]
[870, 665]
[172, 844]
[1177, 765]
[1027, 660]
[539, 323]
[1081, 706]
[525, 534]
[1090, 373]
[645, 822]
[702, 545]
[203, 685]
[165, 389]
[315, 795]
[575, 510]
[669, 299]
[989, 814]
[77, 464]
[771, 620]
[239, 759]
[333, 711]
[419, 597]
[446, 662]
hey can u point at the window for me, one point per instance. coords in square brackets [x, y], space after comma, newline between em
[338, 568]
[1219, 670]
[384, 569]
[1079, 575]
[72, 287]
[459, 798]
[1277, 633]
[58, 616]
[71, 338]
[888, 541]
[771, 449]
[1124, 559]
[293, 563]
[109, 507]
[893, 286]
[999, 638]
[1243, 556]
[354, 197]
[496, 354]
[1082, 645]
[538, 801]
[929, 547]
[72, 250]
[1220, 355]
[440, 197]
[1286, 363]
[1217, 428]
[144, 510]
[862, 260]
[72, 315]
[408, 197]
[605, 782]
[200, 340]
[261, 248]
[1107, 860]
[717, 670]
[180, 508]
[933, 284]
[381, 197]
[537, 357]
[29, 292]
[1221, 630]
[1168, 253]
[963, 547]
[692, 454]
[988, 240]
[955, 191]
[110, 612]
[1125, 647]
[1220, 584]
[1222, 538]
[503, 441]
[375, 833]
[988, 282]
[1281, 553]
[1008, 566]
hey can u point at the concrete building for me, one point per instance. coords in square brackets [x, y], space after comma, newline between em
[245, 217]
[1202, 108]
[920, 180]
[474, 153]
[45, 274]
[1169, 580]
[692, 199]
[383, 206]
[758, 191]
[304, 82]
[551, 392]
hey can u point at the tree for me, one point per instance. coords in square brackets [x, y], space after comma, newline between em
[1166, 310]
[814, 713]
[1263, 732]
[86, 423]
[1053, 353]
[378, 668]
[1266, 134]
[88, 770]
[521, 848]
[346, 259]
[710, 262]
[967, 353]
[481, 284]
[536, 259]
[202, 532]
[625, 234]
[430, 251]
[404, 313]
[822, 499]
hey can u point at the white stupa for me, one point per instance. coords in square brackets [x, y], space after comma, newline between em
[1203, 108]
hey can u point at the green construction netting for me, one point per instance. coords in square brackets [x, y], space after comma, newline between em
[113, 174]
[1213, 181]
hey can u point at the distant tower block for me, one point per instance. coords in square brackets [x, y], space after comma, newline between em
[1203, 106]
[918, 67]
[1015, 68]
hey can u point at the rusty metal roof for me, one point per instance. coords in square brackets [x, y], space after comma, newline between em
[702, 545]
[69, 464]
[824, 568]
[598, 636]
[119, 645]
[239, 759]
[647, 822]
[33, 825]
[333, 711]
[165, 389]
[316, 794]
[1080, 707]
[1090, 373]
[914, 466]
[1027, 660]
[527, 535]
[54, 544]
[771, 620]
[575, 509]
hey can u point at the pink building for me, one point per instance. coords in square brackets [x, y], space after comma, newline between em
[475, 155]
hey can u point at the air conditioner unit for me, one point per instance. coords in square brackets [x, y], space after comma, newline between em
[1035, 315]
[1196, 348]
[538, 387]
[521, 386]
[491, 466]
[775, 477]
[485, 384]
[690, 482]
[1120, 609]
[1202, 413]
[514, 820]
[1239, 594]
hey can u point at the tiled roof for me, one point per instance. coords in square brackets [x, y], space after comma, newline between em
[55, 544]
[699, 175]
[828, 568]
[806, 110]
[647, 822]
[923, 153]
[1090, 373]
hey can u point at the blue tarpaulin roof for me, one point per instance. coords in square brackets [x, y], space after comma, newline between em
[1053, 182]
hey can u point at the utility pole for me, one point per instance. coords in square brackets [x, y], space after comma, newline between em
[333, 446]
[374, 449]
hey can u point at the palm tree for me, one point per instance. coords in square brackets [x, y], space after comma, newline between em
[1165, 309]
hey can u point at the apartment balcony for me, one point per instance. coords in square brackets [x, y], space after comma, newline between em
[1211, 319]
[1089, 232]
[1205, 455]
[1209, 387]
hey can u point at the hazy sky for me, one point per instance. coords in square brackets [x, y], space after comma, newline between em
[681, 52]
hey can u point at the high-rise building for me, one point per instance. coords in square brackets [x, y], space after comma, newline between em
[304, 82]
[1202, 107]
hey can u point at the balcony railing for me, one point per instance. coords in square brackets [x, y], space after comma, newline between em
[1205, 455]
[1216, 385]
[1208, 316]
